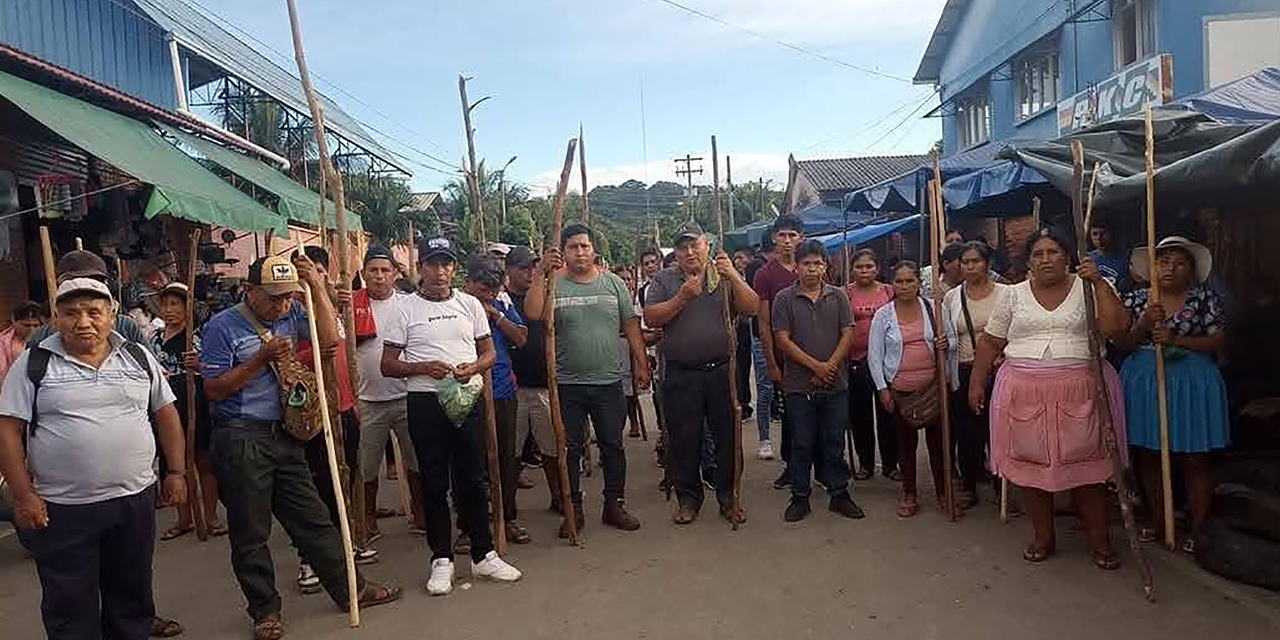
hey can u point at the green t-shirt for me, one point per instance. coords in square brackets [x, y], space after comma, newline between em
[589, 318]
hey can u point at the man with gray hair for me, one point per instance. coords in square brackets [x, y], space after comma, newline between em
[84, 492]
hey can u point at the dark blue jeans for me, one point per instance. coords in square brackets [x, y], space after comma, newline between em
[606, 405]
[818, 422]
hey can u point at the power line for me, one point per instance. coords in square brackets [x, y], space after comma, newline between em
[864, 129]
[902, 122]
[782, 43]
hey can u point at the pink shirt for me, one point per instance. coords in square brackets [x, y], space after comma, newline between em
[10, 349]
[916, 370]
[864, 306]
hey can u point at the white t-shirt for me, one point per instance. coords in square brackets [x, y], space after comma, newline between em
[375, 387]
[445, 331]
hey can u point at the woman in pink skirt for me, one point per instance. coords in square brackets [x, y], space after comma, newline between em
[1046, 429]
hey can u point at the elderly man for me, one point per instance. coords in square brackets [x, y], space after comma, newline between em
[85, 492]
[696, 346]
[86, 264]
[262, 469]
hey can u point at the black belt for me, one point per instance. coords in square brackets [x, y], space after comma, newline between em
[698, 366]
[274, 427]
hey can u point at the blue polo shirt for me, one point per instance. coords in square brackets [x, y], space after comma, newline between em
[504, 380]
[229, 341]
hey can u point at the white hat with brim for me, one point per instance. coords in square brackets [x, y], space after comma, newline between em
[1199, 252]
[88, 286]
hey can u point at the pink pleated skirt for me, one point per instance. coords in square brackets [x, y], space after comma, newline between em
[1046, 429]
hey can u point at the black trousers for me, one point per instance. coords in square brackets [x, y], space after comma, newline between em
[864, 412]
[508, 464]
[745, 358]
[446, 450]
[606, 405]
[94, 563]
[698, 397]
[971, 434]
[318, 461]
[262, 472]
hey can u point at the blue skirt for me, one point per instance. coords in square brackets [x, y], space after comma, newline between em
[1197, 396]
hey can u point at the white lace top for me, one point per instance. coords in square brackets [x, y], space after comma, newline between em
[1036, 334]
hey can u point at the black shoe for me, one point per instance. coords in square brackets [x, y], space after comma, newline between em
[747, 412]
[783, 480]
[797, 509]
[845, 506]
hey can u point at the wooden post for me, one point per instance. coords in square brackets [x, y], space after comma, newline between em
[413, 257]
[1166, 475]
[1101, 393]
[495, 469]
[194, 490]
[728, 179]
[50, 276]
[79, 244]
[582, 167]
[1035, 215]
[944, 413]
[553, 387]
[348, 320]
[473, 173]
[732, 336]
[402, 478]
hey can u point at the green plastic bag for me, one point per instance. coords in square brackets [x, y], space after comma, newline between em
[457, 399]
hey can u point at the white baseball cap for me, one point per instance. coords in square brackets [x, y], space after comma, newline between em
[83, 285]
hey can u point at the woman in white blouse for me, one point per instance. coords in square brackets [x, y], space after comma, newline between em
[968, 307]
[1045, 421]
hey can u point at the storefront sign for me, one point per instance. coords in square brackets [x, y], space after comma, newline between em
[1122, 95]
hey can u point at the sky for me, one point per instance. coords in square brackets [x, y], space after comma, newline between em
[549, 65]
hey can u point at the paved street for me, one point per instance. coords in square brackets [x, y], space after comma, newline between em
[825, 577]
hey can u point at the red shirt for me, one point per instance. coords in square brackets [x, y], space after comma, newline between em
[346, 398]
[864, 306]
[772, 278]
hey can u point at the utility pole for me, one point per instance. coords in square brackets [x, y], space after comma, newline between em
[473, 178]
[761, 194]
[688, 171]
[728, 169]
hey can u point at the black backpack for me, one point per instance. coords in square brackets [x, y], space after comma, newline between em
[38, 366]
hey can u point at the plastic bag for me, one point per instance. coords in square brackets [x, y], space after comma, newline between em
[457, 399]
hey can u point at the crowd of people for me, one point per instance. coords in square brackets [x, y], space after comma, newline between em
[840, 361]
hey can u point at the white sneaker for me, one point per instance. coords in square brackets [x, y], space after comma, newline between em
[308, 581]
[365, 556]
[441, 581]
[766, 451]
[494, 568]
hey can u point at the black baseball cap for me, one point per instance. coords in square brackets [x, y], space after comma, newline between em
[521, 257]
[436, 248]
[485, 271]
[689, 230]
[81, 264]
[378, 253]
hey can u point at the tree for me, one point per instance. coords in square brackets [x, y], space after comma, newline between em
[378, 201]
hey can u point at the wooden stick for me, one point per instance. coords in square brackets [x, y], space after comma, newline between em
[473, 172]
[553, 387]
[402, 478]
[582, 167]
[50, 278]
[1102, 394]
[333, 180]
[79, 244]
[1004, 500]
[194, 490]
[1035, 214]
[844, 252]
[348, 320]
[731, 333]
[1166, 475]
[944, 412]
[495, 469]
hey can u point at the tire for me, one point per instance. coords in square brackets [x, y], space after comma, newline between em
[1228, 551]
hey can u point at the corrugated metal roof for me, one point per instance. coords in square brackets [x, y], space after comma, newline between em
[421, 201]
[847, 174]
[205, 38]
[939, 42]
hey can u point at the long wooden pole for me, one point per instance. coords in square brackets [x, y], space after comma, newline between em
[333, 180]
[1166, 474]
[582, 167]
[50, 276]
[473, 171]
[79, 244]
[194, 491]
[348, 320]
[731, 334]
[1103, 395]
[495, 468]
[944, 409]
[728, 179]
[553, 387]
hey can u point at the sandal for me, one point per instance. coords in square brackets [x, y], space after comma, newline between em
[685, 515]
[862, 475]
[176, 532]
[375, 594]
[908, 507]
[1189, 546]
[1147, 535]
[1106, 561]
[1036, 554]
[270, 627]
[517, 534]
[733, 516]
[162, 628]
[218, 530]
[893, 474]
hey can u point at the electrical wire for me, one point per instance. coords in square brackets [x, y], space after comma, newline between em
[87, 194]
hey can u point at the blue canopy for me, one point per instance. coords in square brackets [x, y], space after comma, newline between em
[863, 235]
[818, 219]
[900, 194]
[1253, 98]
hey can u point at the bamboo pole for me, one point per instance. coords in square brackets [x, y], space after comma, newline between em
[348, 320]
[1166, 474]
[731, 334]
[553, 387]
[582, 167]
[495, 470]
[50, 277]
[944, 410]
[1103, 395]
[844, 253]
[334, 182]
[194, 490]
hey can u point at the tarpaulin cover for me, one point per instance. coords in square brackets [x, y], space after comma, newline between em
[863, 235]
[900, 194]
[1253, 98]
[182, 187]
[818, 219]
[1002, 188]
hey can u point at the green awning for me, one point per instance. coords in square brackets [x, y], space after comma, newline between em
[297, 203]
[182, 187]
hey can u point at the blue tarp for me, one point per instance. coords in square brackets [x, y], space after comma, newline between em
[900, 194]
[1004, 187]
[863, 235]
[818, 219]
[1253, 98]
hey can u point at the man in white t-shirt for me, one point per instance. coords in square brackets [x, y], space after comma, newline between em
[439, 343]
[382, 400]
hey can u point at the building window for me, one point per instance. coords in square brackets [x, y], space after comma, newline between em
[1135, 31]
[1037, 78]
[974, 117]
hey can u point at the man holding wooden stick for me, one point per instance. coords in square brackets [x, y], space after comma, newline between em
[684, 303]
[440, 342]
[261, 468]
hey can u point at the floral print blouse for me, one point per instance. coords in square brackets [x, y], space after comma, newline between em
[1202, 315]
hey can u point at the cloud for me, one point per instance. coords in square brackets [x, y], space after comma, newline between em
[747, 167]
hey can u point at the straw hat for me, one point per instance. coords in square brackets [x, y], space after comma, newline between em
[1203, 259]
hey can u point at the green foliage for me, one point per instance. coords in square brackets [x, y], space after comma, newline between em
[378, 202]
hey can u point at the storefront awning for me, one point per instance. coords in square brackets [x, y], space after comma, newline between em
[297, 203]
[818, 219]
[182, 187]
[836, 241]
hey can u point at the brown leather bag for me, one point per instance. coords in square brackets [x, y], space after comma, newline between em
[920, 408]
[299, 392]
